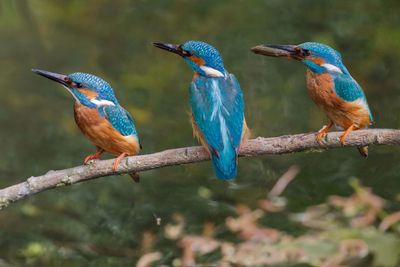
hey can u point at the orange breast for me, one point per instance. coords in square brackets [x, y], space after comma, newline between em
[342, 113]
[98, 130]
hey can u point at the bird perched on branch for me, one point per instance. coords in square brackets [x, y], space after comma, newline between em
[99, 115]
[217, 105]
[330, 86]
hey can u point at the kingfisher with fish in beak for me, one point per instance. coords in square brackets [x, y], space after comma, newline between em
[330, 86]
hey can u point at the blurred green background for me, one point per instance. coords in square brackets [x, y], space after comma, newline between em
[95, 223]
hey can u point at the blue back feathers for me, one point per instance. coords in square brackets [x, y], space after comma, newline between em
[218, 109]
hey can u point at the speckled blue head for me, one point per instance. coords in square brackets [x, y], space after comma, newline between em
[87, 89]
[203, 58]
[94, 83]
[322, 57]
[207, 53]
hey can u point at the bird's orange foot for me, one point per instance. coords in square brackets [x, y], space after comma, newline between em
[346, 133]
[323, 131]
[93, 156]
[117, 160]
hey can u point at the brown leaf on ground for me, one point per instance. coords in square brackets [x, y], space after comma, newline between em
[196, 245]
[147, 259]
[389, 220]
[248, 229]
[175, 231]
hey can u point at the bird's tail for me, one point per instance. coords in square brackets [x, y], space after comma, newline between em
[363, 151]
[225, 163]
[135, 176]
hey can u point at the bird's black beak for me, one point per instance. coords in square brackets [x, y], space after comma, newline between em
[60, 78]
[173, 48]
[287, 51]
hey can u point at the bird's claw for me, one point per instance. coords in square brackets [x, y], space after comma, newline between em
[343, 139]
[90, 157]
[320, 136]
[93, 156]
[117, 160]
[323, 131]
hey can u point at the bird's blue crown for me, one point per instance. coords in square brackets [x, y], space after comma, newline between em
[207, 53]
[94, 83]
[324, 52]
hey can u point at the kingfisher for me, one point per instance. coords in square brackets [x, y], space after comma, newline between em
[99, 116]
[330, 85]
[217, 105]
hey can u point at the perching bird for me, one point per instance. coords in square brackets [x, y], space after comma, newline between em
[99, 115]
[216, 103]
[330, 86]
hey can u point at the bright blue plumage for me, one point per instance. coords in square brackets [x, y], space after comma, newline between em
[217, 104]
[218, 107]
[120, 119]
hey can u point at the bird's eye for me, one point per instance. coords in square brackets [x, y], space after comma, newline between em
[184, 52]
[303, 52]
[78, 85]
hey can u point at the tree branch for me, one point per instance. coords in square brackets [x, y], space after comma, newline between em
[255, 147]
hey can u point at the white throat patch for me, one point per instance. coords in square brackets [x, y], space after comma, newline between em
[101, 102]
[331, 68]
[211, 72]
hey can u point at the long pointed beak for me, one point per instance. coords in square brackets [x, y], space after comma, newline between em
[60, 78]
[287, 51]
[173, 48]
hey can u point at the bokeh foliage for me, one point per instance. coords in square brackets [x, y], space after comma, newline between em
[100, 222]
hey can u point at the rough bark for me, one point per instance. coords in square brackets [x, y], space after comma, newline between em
[254, 147]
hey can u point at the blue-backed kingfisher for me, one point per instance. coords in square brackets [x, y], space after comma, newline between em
[330, 86]
[217, 105]
[99, 115]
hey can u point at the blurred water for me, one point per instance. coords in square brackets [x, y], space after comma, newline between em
[93, 221]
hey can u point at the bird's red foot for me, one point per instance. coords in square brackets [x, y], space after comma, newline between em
[93, 156]
[117, 160]
[346, 133]
[323, 131]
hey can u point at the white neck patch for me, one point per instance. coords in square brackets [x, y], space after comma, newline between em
[101, 102]
[211, 72]
[331, 68]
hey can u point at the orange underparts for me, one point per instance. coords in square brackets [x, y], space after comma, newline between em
[100, 132]
[347, 115]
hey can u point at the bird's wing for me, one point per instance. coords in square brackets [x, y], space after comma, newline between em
[120, 119]
[349, 90]
[218, 107]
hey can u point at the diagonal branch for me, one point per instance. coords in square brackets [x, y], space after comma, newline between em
[254, 147]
